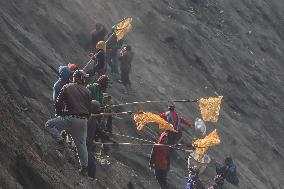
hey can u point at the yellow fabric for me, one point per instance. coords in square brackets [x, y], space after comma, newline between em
[210, 108]
[202, 145]
[100, 45]
[141, 119]
[122, 28]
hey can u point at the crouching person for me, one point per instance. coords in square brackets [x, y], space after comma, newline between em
[73, 107]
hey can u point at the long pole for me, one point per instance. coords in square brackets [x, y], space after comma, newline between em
[153, 101]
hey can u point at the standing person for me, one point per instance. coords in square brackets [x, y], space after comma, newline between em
[160, 160]
[98, 34]
[173, 118]
[125, 58]
[111, 52]
[100, 127]
[99, 60]
[64, 73]
[73, 107]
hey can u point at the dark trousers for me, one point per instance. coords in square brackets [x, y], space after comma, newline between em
[161, 176]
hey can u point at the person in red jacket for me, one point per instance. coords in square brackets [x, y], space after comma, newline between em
[172, 117]
[160, 160]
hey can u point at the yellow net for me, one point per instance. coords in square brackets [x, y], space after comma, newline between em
[122, 28]
[141, 119]
[210, 108]
[202, 145]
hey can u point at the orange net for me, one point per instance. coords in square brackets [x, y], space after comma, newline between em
[141, 119]
[202, 145]
[210, 108]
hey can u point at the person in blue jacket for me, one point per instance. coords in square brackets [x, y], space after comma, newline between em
[64, 74]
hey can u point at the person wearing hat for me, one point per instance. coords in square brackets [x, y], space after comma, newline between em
[73, 108]
[64, 73]
[176, 120]
[98, 88]
[173, 118]
[100, 127]
[99, 60]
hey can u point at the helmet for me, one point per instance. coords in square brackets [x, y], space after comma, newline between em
[100, 45]
[80, 75]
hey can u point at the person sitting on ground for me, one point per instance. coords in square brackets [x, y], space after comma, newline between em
[73, 108]
[193, 181]
[125, 58]
[160, 160]
[64, 73]
[98, 34]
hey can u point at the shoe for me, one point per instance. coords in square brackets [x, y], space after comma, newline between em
[84, 171]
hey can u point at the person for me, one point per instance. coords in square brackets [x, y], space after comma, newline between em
[172, 117]
[98, 34]
[64, 74]
[99, 60]
[125, 58]
[228, 171]
[193, 181]
[111, 52]
[98, 88]
[160, 160]
[100, 127]
[73, 107]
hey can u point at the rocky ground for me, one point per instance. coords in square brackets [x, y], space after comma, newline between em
[183, 49]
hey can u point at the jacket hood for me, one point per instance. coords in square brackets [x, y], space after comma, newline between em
[64, 72]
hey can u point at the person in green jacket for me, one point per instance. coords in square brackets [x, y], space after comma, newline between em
[100, 127]
[97, 89]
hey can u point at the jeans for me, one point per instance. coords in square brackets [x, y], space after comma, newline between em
[74, 126]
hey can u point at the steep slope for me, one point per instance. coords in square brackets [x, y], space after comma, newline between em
[183, 49]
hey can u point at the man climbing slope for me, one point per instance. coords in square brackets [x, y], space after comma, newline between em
[73, 107]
